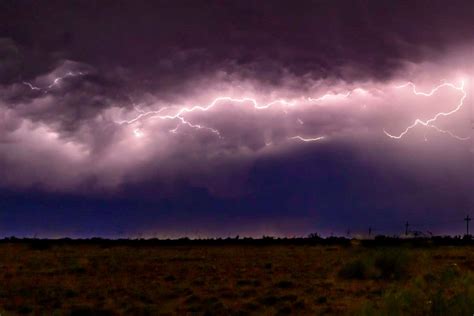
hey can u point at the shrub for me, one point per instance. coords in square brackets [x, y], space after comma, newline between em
[284, 284]
[392, 264]
[269, 300]
[356, 269]
[427, 298]
[322, 300]
[25, 309]
[450, 273]
[367, 308]
[405, 301]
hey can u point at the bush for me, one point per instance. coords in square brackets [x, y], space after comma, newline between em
[449, 274]
[419, 297]
[392, 264]
[357, 269]
[404, 301]
[284, 284]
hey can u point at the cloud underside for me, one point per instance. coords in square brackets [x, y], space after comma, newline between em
[80, 127]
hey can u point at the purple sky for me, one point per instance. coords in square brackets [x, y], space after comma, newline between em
[219, 118]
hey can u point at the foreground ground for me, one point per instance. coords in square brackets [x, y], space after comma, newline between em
[93, 279]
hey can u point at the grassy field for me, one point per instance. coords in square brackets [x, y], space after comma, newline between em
[93, 279]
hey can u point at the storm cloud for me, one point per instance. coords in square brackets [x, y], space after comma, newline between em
[169, 102]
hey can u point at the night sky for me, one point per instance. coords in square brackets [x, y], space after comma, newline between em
[223, 118]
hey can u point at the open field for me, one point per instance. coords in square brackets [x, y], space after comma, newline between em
[97, 278]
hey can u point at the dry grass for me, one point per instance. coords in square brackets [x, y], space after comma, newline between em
[235, 279]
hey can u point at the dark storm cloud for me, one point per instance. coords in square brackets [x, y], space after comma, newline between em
[190, 38]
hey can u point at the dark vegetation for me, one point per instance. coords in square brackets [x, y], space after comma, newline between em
[237, 276]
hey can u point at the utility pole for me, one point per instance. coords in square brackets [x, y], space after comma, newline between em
[370, 231]
[406, 228]
[467, 219]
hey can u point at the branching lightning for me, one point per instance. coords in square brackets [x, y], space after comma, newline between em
[329, 95]
[55, 82]
[143, 114]
[179, 114]
[429, 122]
[196, 126]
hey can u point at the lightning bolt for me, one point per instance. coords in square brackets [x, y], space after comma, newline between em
[196, 126]
[331, 95]
[429, 122]
[179, 114]
[308, 139]
[55, 82]
[143, 114]
[450, 133]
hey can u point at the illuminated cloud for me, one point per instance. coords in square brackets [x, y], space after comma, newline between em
[73, 125]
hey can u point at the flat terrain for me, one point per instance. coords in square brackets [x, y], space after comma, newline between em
[234, 279]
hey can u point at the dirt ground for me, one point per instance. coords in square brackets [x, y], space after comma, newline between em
[236, 280]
